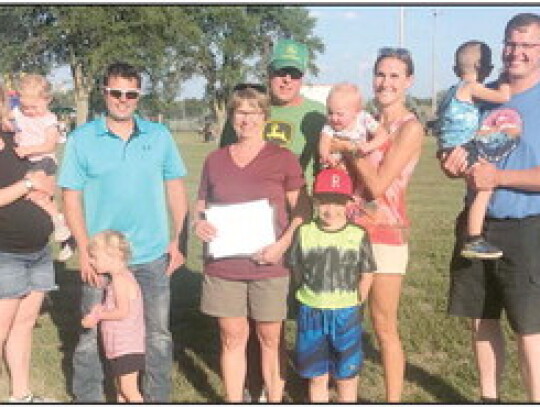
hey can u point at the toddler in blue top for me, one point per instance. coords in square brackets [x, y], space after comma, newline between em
[458, 125]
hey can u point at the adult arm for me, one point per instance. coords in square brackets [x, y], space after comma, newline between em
[177, 202]
[485, 175]
[73, 211]
[300, 211]
[406, 146]
[19, 189]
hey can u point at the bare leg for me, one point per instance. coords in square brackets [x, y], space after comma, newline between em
[18, 345]
[272, 359]
[488, 345]
[254, 380]
[529, 355]
[128, 388]
[318, 389]
[347, 390]
[477, 212]
[234, 334]
[383, 303]
[8, 311]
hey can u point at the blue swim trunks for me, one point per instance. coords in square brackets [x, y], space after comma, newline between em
[329, 341]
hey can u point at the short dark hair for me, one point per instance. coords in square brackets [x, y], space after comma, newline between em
[122, 70]
[519, 21]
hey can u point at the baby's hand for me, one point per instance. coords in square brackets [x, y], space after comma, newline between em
[329, 161]
[364, 147]
[22, 151]
[92, 318]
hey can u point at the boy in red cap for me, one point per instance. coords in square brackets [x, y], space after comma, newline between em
[332, 262]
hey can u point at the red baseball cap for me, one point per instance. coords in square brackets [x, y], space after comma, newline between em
[333, 181]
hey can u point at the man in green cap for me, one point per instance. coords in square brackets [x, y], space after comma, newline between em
[295, 121]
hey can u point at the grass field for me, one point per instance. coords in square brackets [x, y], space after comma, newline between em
[440, 367]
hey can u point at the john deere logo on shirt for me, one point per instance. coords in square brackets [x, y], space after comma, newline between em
[278, 132]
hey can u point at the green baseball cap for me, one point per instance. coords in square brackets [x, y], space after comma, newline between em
[289, 54]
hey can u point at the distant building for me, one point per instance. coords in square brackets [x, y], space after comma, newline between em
[316, 92]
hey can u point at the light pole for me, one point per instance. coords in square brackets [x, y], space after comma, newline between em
[433, 64]
[401, 26]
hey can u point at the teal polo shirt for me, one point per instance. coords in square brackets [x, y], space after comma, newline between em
[122, 182]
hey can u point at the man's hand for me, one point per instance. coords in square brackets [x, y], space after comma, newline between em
[454, 164]
[176, 258]
[483, 175]
[88, 273]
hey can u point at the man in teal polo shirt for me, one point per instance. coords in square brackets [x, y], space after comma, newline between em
[121, 172]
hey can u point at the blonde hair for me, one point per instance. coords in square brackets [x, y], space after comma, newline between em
[4, 103]
[253, 97]
[112, 241]
[348, 90]
[34, 85]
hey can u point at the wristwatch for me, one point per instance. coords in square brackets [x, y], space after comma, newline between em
[28, 184]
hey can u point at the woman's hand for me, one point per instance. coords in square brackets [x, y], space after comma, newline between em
[41, 182]
[270, 254]
[204, 230]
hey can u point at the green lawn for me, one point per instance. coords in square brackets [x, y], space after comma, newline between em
[440, 366]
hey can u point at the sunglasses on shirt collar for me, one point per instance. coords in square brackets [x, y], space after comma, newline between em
[127, 93]
[292, 72]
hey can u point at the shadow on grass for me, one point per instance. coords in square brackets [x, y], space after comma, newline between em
[64, 309]
[193, 334]
[442, 391]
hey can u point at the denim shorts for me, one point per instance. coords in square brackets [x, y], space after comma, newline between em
[21, 273]
[329, 341]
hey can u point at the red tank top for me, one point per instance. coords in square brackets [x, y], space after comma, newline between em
[385, 218]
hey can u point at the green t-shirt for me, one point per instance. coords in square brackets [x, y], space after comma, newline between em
[329, 264]
[296, 127]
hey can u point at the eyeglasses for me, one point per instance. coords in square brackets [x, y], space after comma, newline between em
[130, 94]
[292, 72]
[248, 113]
[525, 45]
[394, 52]
[243, 86]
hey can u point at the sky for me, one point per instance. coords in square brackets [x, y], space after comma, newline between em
[352, 34]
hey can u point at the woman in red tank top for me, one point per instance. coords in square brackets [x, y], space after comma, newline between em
[381, 181]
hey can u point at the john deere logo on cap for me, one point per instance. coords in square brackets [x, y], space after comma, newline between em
[291, 51]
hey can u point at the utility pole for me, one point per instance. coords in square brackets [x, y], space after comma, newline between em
[401, 26]
[433, 65]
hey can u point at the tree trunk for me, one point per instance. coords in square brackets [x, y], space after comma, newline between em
[220, 113]
[82, 93]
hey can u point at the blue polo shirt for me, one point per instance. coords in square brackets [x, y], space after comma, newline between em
[123, 182]
[516, 203]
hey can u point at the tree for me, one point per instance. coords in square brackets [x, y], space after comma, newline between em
[237, 43]
[87, 38]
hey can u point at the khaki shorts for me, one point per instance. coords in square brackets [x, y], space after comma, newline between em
[390, 259]
[262, 300]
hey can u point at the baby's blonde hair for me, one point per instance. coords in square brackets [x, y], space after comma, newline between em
[34, 85]
[111, 239]
[472, 56]
[348, 90]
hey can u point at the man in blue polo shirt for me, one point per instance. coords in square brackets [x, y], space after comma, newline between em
[481, 290]
[121, 172]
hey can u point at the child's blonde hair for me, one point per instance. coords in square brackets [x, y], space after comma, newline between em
[34, 85]
[348, 90]
[111, 239]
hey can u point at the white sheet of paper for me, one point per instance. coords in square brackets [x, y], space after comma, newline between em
[242, 229]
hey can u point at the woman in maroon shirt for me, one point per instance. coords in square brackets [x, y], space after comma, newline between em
[237, 288]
